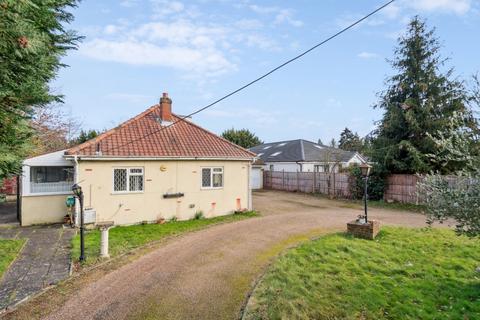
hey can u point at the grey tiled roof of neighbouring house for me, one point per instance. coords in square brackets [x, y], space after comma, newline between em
[300, 150]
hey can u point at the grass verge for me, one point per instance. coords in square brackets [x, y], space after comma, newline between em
[9, 250]
[384, 205]
[125, 238]
[403, 274]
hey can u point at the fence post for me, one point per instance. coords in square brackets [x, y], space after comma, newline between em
[334, 184]
[298, 182]
[314, 181]
[283, 179]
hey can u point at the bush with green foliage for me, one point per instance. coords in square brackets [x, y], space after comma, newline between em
[375, 185]
[457, 199]
[198, 215]
[457, 196]
[243, 137]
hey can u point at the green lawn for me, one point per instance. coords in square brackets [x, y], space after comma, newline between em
[403, 274]
[385, 205]
[122, 239]
[9, 250]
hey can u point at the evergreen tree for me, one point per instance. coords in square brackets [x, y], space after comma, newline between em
[417, 104]
[333, 143]
[242, 137]
[350, 141]
[32, 41]
[85, 136]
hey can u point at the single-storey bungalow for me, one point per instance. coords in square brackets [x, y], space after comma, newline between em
[305, 156]
[156, 165]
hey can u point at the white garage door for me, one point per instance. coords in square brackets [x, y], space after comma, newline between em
[256, 178]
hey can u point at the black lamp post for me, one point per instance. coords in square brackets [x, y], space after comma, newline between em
[365, 168]
[78, 193]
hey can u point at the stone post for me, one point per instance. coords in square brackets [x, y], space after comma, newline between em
[104, 227]
[104, 243]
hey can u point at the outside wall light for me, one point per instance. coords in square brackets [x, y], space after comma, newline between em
[365, 169]
[78, 193]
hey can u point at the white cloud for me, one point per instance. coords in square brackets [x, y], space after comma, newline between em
[262, 42]
[209, 62]
[394, 10]
[182, 45]
[166, 7]
[110, 29]
[456, 6]
[128, 3]
[196, 48]
[391, 11]
[262, 9]
[368, 55]
[285, 15]
[248, 24]
[281, 15]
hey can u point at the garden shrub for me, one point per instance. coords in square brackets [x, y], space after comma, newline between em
[376, 183]
[457, 198]
[198, 215]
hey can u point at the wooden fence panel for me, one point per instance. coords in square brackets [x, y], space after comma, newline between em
[399, 187]
[402, 188]
[334, 184]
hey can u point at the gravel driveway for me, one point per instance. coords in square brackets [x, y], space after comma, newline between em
[207, 274]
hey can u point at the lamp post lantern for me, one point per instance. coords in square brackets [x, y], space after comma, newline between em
[78, 193]
[365, 168]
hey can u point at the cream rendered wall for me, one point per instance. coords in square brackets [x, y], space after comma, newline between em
[43, 209]
[96, 179]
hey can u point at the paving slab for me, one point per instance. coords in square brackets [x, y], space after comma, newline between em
[44, 260]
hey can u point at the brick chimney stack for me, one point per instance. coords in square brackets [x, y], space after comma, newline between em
[166, 108]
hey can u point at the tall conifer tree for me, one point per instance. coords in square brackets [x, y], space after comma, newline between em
[418, 103]
[33, 39]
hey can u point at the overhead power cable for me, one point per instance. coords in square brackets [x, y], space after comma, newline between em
[260, 77]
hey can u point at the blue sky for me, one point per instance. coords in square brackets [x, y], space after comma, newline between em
[199, 50]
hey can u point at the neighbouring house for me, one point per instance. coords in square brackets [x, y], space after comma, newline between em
[305, 156]
[153, 166]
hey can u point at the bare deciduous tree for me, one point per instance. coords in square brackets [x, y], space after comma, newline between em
[54, 128]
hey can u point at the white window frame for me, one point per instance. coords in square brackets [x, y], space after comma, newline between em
[142, 174]
[211, 178]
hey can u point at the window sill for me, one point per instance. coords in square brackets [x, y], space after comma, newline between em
[126, 192]
[39, 194]
[211, 188]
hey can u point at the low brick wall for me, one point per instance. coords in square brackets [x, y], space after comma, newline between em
[364, 230]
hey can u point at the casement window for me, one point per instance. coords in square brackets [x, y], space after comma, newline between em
[212, 178]
[127, 180]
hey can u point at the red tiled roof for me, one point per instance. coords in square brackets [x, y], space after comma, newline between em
[143, 136]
